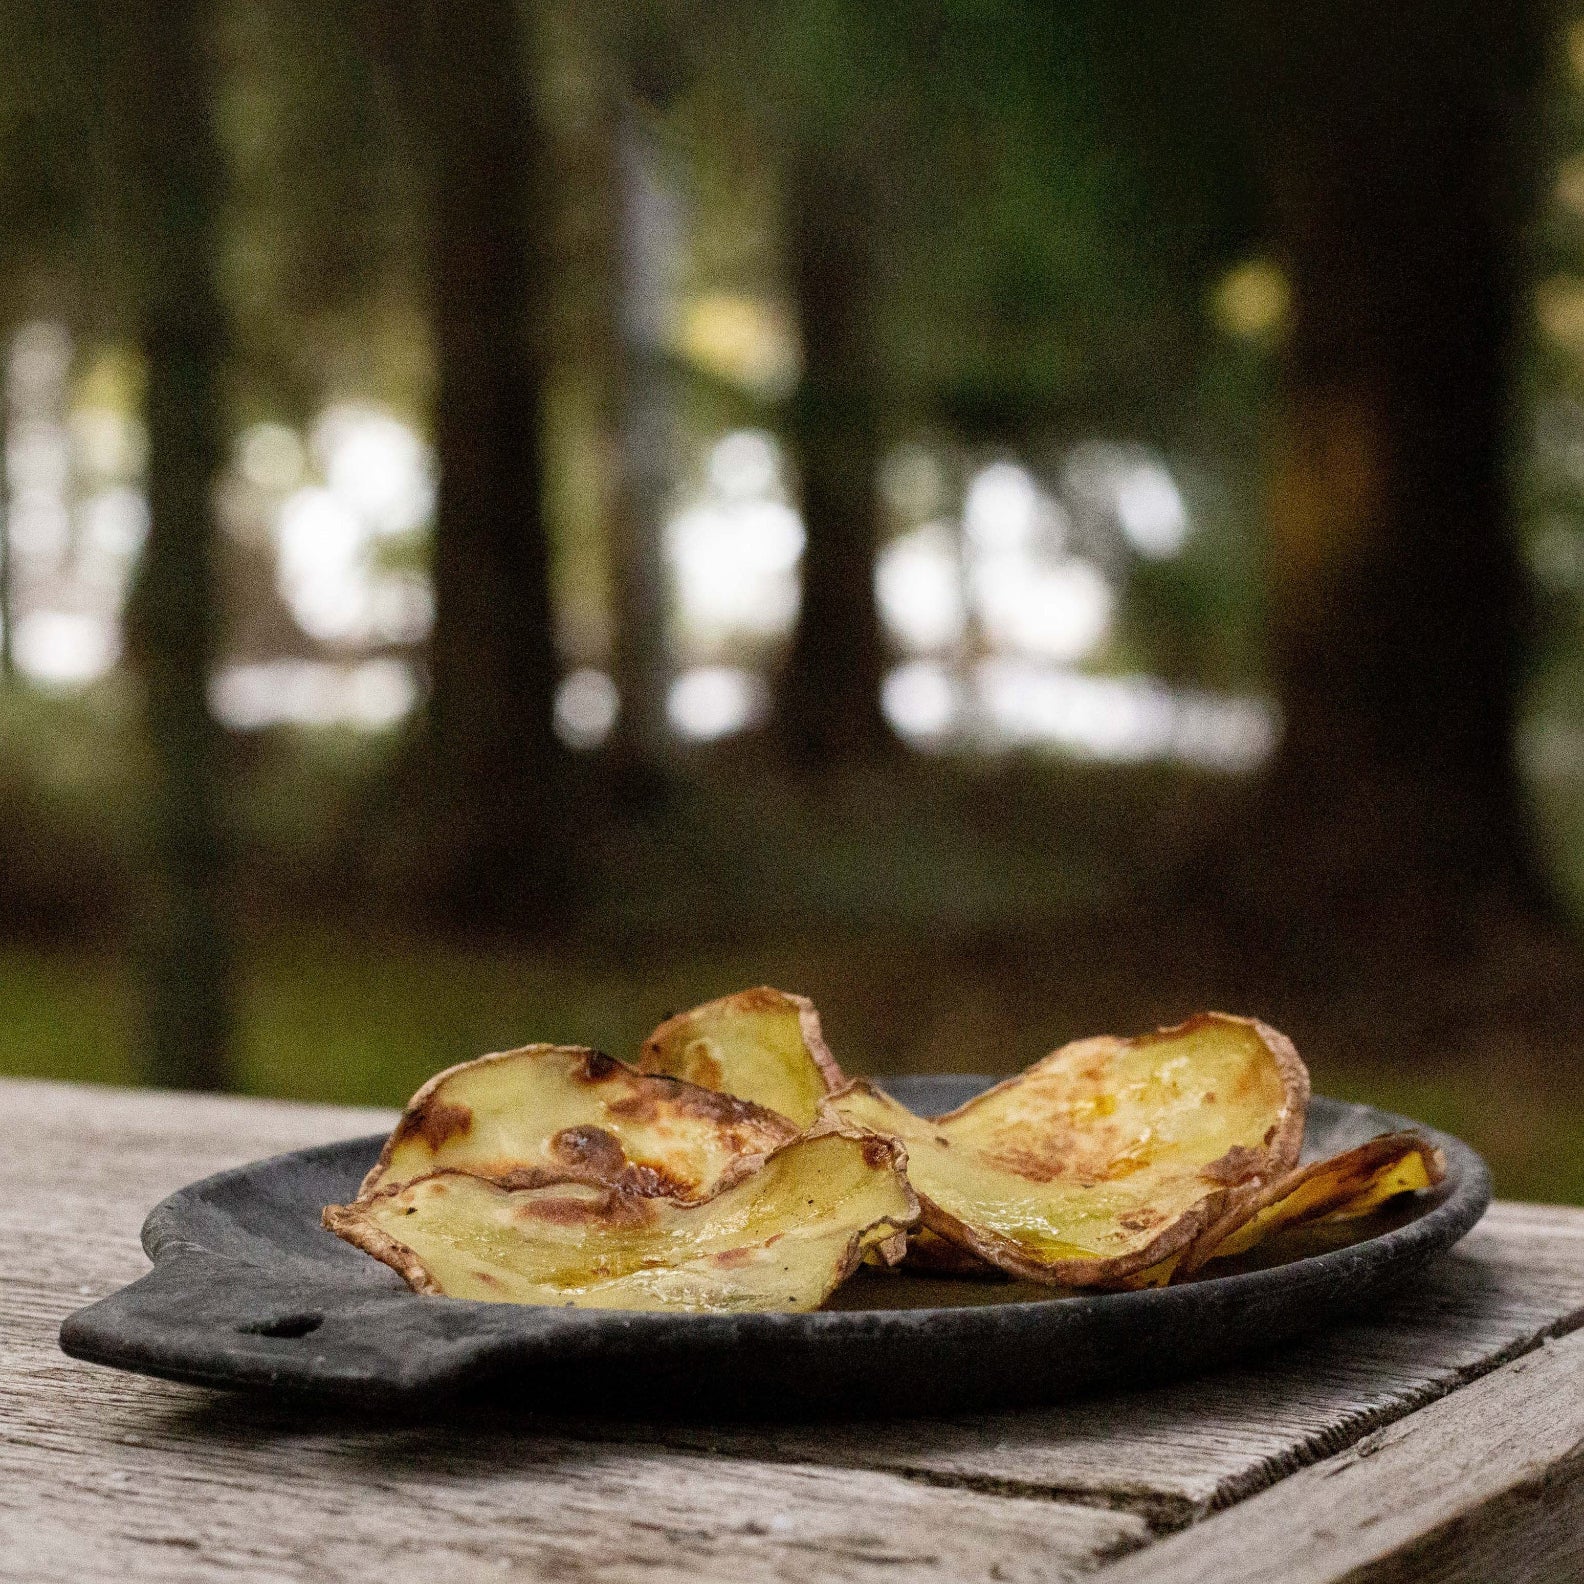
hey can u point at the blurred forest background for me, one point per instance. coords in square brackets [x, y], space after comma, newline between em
[1015, 519]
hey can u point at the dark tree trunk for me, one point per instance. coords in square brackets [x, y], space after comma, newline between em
[493, 757]
[1404, 157]
[7, 621]
[173, 619]
[830, 692]
[643, 405]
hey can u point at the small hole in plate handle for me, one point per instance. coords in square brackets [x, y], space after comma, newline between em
[290, 1325]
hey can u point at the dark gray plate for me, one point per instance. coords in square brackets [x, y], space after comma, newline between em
[248, 1290]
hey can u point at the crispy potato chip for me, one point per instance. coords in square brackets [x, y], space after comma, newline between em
[1110, 1155]
[560, 1113]
[1342, 1188]
[761, 1045]
[784, 1238]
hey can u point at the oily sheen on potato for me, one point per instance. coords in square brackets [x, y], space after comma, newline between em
[761, 1045]
[555, 1113]
[782, 1239]
[1108, 1156]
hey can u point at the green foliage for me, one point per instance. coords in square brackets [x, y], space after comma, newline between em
[1054, 187]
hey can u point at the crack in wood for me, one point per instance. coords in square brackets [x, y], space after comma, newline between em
[1331, 1442]
[1162, 1512]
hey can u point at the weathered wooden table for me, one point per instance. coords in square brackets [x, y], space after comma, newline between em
[1440, 1438]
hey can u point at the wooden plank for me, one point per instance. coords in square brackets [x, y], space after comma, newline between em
[138, 1480]
[1486, 1485]
[110, 1475]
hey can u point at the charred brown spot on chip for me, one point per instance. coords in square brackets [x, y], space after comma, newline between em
[591, 1147]
[435, 1121]
[697, 1100]
[652, 1183]
[878, 1151]
[644, 1107]
[763, 999]
[519, 1177]
[1141, 1220]
[703, 1066]
[1032, 1164]
[611, 1209]
[1083, 1155]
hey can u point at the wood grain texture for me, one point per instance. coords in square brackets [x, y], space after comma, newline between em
[134, 1482]
[1487, 1484]
[105, 1473]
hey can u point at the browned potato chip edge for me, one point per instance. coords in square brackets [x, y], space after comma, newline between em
[1354, 1168]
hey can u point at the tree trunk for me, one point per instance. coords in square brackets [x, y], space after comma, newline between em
[830, 692]
[7, 615]
[1404, 163]
[493, 662]
[645, 440]
[173, 619]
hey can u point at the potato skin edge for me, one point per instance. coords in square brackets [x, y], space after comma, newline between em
[352, 1227]
[1374, 1152]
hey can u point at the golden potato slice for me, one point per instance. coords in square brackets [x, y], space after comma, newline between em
[783, 1239]
[761, 1045]
[1339, 1189]
[558, 1113]
[1110, 1155]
